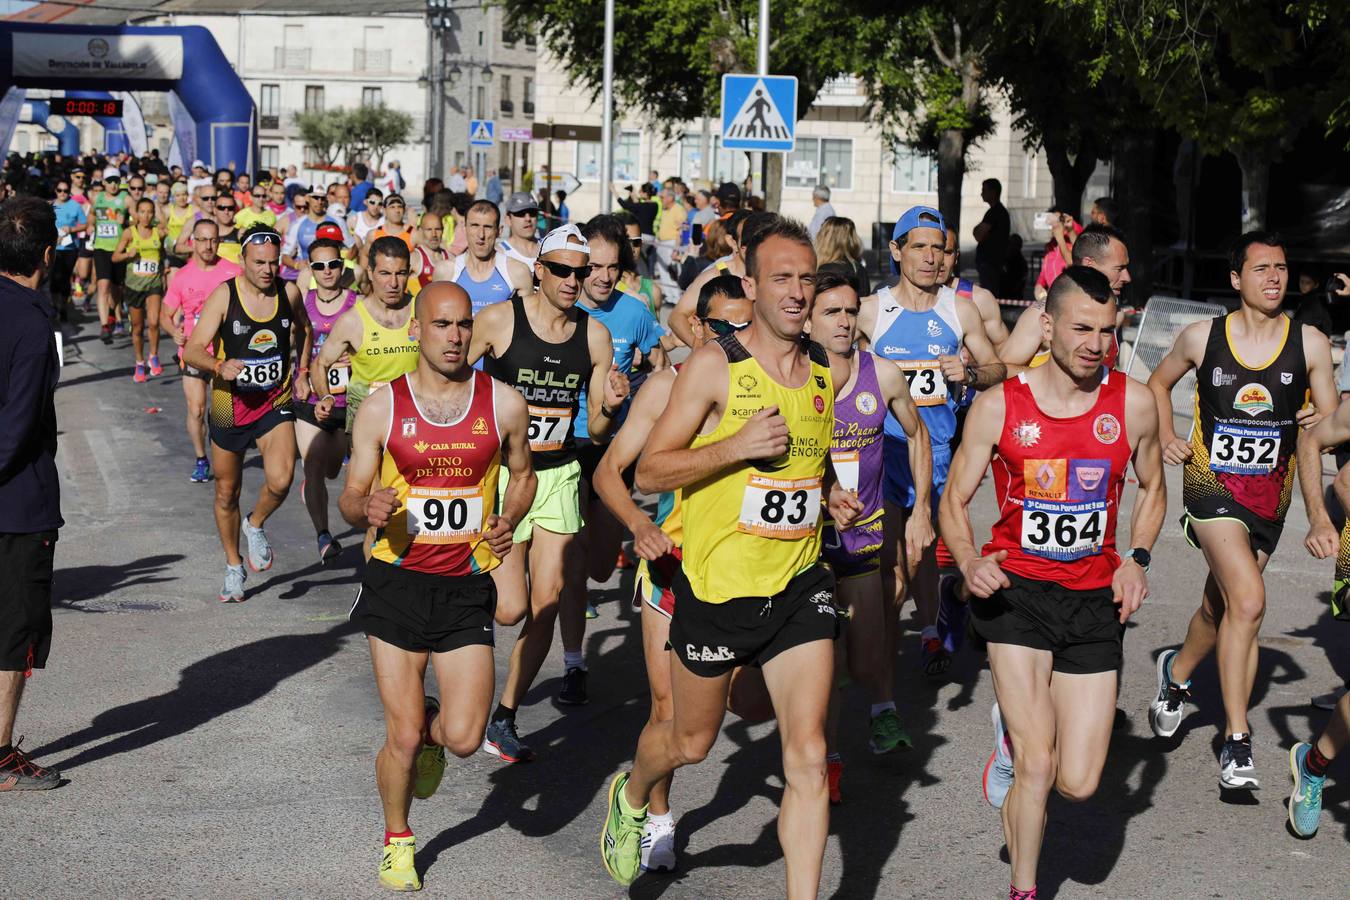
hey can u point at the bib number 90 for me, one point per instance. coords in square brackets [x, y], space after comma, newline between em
[444, 516]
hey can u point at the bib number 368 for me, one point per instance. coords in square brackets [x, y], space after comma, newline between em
[260, 374]
[1063, 531]
[784, 509]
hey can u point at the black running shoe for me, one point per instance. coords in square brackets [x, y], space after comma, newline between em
[19, 773]
[573, 690]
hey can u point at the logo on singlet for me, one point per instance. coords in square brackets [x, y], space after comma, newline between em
[263, 341]
[480, 426]
[866, 403]
[934, 329]
[747, 382]
[1219, 379]
[1106, 428]
[409, 428]
[421, 446]
[1254, 399]
[1026, 433]
[1286, 378]
[819, 403]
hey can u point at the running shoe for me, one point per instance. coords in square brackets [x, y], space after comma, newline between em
[397, 871]
[502, 740]
[1236, 769]
[1328, 700]
[936, 659]
[259, 549]
[201, 471]
[233, 591]
[952, 614]
[888, 734]
[429, 765]
[105, 333]
[328, 548]
[1169, 704]
[998, 772]
[591, 611]
[834, 771]
[156, 369]
[139, 375]
[119, 328]
[1305, 803]
[621, 838]
[658, 847]
[573, 690]
[19, 773]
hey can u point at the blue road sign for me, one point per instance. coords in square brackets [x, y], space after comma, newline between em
[481, 132]
[759, 112]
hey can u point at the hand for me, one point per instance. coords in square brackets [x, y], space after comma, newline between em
[1057, 227]
[380, 506]
[1344, 290]
[1307, 417]
[918, 538]
[616, 389]
[1176, 451]
[230, 369]
[763, 436]
[953, 368]
[179, 337]
[1129, 587]
[300, 387]
[650, 542]
[983, 575]
[499, 535]
[1322, 541]
[324, 408]
[844, 506]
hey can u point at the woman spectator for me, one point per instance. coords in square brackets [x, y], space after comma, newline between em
[1064, 230]
[839, 249]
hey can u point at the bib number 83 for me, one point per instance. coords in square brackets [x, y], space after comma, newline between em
[776, 507]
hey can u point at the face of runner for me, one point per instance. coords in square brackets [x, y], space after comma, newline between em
[431, 230]
[388, 279]
[180, 199]
[951, 254]
[243, 183]
[523, 224]
[145, 212]
[261, 264]
[482, 231]
[444, 326]
[206, 199]
[321, 261]
[783, 286]
[300, 204]
[257, 197]
[318, 205]
[162, 192]
[920, 259]
[560, 276]
[834, 319]
[1079, 334]
[277, 193]
[393, 213]
[223, 180]
[225, 210]
[605, 272]
[1114, 264]
[634, 232]
[733, 310]
[1264, 278]
[136, 189]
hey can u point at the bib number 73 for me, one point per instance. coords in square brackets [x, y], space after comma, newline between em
[926, 384]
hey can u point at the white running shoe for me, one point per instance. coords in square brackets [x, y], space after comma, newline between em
[658, 847]
[1236, 769]
[259, 549]
[1168, 707]
[233, 591]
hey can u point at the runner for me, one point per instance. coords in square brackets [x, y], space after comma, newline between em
[737, 235]
[177, 215]
[110, 215]
[300, 235]
[1238, 479]
[547, 348]
[323, 444]
[370, 217]
[854, 553]
[1052, 595]
[634, 334]
[429, 258]
[178, 316]
[723, 308]
[486, 272]
[923, 326]
[253, 322]
[427, 592]
[393, 224]
[141, 245]
[71, 227]
[521, 242]
[749, 590]
[256, 212]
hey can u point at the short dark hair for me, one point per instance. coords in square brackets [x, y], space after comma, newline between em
[27, 232]
[1078, 278]
[360, 171]
[259, 228]
[1093, 240]
[1237, 258]
[390, 246]
[776, 227]
[1109, 208]
[145, 200]
[734, 220]
[754, 222]
[611, 230]
[327, 244]
[484, 206]
[831, 279]
[212, 222]
[993, 183]
[721, 286]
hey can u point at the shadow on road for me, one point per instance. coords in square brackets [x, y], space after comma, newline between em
[78, 584]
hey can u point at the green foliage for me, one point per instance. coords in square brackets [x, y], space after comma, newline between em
[378, 129]
[346, 135]
[326, 132]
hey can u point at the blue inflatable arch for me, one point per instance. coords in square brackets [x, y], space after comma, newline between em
[214, 118]
[67, 138]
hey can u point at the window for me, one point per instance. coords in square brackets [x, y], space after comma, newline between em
[509, 37]
[372, 96]
[827, 161]
[269, 100]
[480, 102]
[1030, 169]
[529, 96]
[625, 164]
[269, 156]
[802, 166]
[913, 172]
[691, 156]
[727, 165]
[459, 158]
[313, 98]
[507, 106]
[480, 38]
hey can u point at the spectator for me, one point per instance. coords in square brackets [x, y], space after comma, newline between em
[1309, 305]
[703, 211]
[456, 184]
[715, 246]
[493, 192]
[727, 199]
[643, 207]
[839, 249]
[200, 176]
[1014, 284]
[654, 179]
[821, 198]
[991, 235]
[1064, 230]
[564, 214]
[393, 182]
[1104, 211]
[30, 494]
[361, 184]
[471, 182]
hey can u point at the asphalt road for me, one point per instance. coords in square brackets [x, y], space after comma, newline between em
[217, 750]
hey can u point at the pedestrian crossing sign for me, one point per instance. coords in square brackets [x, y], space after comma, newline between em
[759, 112]
[480, 132]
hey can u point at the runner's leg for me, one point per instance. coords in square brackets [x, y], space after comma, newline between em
[228, 467]
[278, 452]
[316, 449]
[1085, 710]
[548, 552]
[699, 705]
[194, 392]
[138, 332]
[513, 594]
[152, 304]
[464, 678]
[399, 675]
[655, 634]
[11, 692]
[868, 662]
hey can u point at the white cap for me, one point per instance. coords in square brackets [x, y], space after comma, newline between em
[197, 164]
[112, 172]
[564, 237]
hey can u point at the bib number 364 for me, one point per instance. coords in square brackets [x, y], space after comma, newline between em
[1063, 531]
[785, 509]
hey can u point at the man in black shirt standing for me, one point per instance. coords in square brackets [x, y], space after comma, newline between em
[991, 236]
[30, 499]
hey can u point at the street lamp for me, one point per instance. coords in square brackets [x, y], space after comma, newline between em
[452, 75]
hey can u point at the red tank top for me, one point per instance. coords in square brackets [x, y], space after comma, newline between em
[1058, 483]
[427, 264]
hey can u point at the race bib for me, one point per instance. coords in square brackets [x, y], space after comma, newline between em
[926, 384]
[1244, 451]
[445, 515]
[145, 266]
[846, 468]
[779, 508]
[338, 378]
[107, 230]
[1063, 531]
[549, 427]
[260, 374]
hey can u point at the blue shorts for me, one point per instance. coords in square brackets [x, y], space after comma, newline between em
[898, 485]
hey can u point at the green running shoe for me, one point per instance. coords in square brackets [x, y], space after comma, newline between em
[887, 734]
[621, 838]
[430, 763]
[1305, 803]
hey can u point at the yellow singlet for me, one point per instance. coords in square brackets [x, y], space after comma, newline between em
[752, 527]
[176, 220]
[385, 353]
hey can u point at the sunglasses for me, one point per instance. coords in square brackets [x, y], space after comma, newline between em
[97, 184]
[133, 187]
[636, 242]
[263, 237]
[564, 271]
[326, 265]
[209, 198]
[525, 213]
[63, 190]
[722, 328]
[259, 196]
[220, 208]
[374, 200]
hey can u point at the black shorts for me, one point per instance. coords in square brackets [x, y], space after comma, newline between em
[86, 252]
[175, 262]
[239, 439]
[190, 372]
[711, 639]
[419, 612]
[106, 269]
[26, 600]
[1263, 534]
[336, 421]
[1082, 629]
[589, 454]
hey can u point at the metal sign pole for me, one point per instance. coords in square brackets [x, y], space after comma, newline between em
[607, 123]
[761, 164]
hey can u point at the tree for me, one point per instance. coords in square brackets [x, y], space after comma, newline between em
[327, 131]
[377, 130]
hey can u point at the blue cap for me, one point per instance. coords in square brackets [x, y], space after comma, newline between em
[910, 220]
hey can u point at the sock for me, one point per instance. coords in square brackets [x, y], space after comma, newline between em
[834, 758]
[1015, 894]
[388, 835]
[1179, 684]
[1239, 736]
[572, 659]
[1314, 764]
[201, 459]
[665, 819]
[879, 708]
[929, 632]
[503, 713]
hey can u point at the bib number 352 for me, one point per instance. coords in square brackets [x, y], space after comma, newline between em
[1244, 451]
[784, 509]
[1063, 531]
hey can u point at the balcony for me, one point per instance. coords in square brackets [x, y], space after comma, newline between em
[508, 108]
[371, 62]
[527, 108]
[289, 59]
[269, 122]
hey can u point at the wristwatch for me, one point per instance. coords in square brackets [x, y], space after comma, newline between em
[1142, 558]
